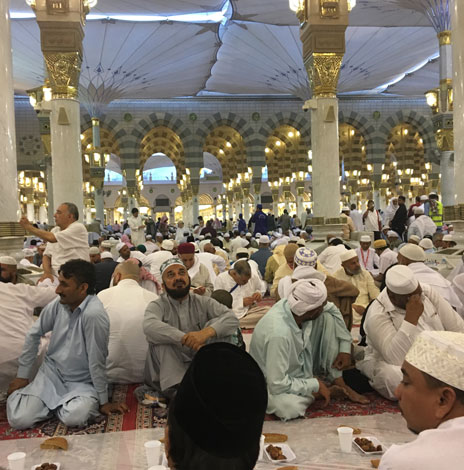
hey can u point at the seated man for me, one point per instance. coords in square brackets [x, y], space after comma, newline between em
[263, 254]
[431, 398]
[177, 325]
[402, 310]
[198, 272]
[104, 271]
[367, 256]
[299, 338]
[351, 271]
[71, 382]
[285, 269]
[222, 395]
[386, 256]
[330, 257]
[274, 262]
[125, 304]
[245, 289]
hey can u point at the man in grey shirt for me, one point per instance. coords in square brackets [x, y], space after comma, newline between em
[177, 325]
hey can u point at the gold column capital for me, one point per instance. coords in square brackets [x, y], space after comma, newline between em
[445, 140]
[324, 70]
[444, 38]
[64, 69]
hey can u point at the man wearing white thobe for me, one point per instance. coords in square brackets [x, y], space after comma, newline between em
[422, 226]
[137, 228]
[398, 315]
[368, 258]
[125, 303]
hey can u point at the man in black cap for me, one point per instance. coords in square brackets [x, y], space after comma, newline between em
[216, 419]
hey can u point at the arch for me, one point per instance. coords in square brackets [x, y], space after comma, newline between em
[158, 161]
[212, 163]
[364, 127]
[205, 200]
[292, 119]
[421, 123]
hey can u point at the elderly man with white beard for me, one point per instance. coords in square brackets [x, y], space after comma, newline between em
[300, 338]
[400, 313]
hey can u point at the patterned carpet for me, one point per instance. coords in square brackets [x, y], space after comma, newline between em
[142, 417]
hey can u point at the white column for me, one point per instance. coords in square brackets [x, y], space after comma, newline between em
[246, 208]
[43, 216]
[99, 205]
[324, 145]
[195, 209]
[31, 212]
[447, 178]
[457, 15]
[66, 152]
[9, 205]
[49, 175]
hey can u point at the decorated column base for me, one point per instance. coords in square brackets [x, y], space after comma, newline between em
[323, 227]
[11, 239]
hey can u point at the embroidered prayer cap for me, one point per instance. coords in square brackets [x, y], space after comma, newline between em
[380, 244]
[413, 252]
[365, 239]
[167, 245]
[458, 285]
[221, 401]
[186, 249]
[28, 252]
[8, 260]
[418, 210]
[441, 355]
[305, 257]
[414, 238]
[170, 262]
[306, 295]
[393, 234]
[307, 272]
[426, 244]
[347, 255]
[106, 255]
[264, 239]
[93, 250]
[120, 245]
[401, 280]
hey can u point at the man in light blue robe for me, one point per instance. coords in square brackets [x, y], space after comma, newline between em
[301, 337]
[71, 382]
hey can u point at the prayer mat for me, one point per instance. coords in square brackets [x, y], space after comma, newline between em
[138, 417]
[344, 407]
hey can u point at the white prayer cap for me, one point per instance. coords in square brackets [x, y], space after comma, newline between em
[93, 250]
[345, 208]
[28, 252]
[414, 238]
[294, 238]
[106, 244]
[441, 355]
[227, 235]
[280, 241]
[159, 234]
[426, 244]
[106, 255]
[305, 257]
[258, 235]
[120, 245]
[458, 285]
[9, 260]
[347, 255]
[167, 245]
[248, 234]
[413, 252]
[418, 210]
[424, 198]
[264, 239]
[365, 239]
[401, 280]
[170, 262]
[241, 251]
[148, 237]
[307, 272]
[448, 238]
[306, 295]
[301, 242]
[391, 233]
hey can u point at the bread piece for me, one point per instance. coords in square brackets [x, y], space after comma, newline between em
[375, 463]
[273, 438]
[55, 443]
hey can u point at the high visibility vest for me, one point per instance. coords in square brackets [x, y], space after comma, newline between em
[437, 216]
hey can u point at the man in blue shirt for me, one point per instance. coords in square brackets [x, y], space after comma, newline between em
[260, 220]
[71, 382]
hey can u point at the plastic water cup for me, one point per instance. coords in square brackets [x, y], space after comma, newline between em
[17, 460]
[261, 447]
[345, 437]
[158, 467]
[153, 450]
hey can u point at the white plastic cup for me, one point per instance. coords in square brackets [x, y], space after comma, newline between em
[158, 467]
[16, 460]
[261, 447]
[345, 437]
[152, 451]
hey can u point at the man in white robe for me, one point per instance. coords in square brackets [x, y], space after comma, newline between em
[368, 258]
[330, 257]
[67, 241]
[413, 256]
[156, 259]
[357, 218]
[199, 275]
[137, 227]
[431, 398]
[125, 303]
[399, 314]
[215, 264]
[386, 256]
[458, 288]
[423, 225]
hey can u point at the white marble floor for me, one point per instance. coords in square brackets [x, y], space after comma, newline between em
[314, 441]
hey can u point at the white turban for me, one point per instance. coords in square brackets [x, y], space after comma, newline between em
[307, 272]
[441, 355]
[306, 295]
[413, 252]
[401, 280]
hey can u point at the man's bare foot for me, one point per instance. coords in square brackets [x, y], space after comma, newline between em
[338, 391]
